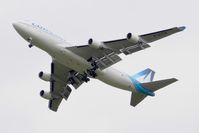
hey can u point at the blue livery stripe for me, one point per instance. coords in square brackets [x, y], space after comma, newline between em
[140, 88]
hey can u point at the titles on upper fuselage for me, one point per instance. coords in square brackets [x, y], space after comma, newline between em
[41, 28]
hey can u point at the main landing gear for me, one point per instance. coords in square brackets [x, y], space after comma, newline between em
[92, 72]
[76, 78]
[84, 77]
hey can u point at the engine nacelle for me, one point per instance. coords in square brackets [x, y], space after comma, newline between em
[46, 95]
[45, 76]
[133, 38]
[96, 45]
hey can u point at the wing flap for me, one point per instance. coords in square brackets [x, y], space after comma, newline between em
[108, 60]
[133, 49]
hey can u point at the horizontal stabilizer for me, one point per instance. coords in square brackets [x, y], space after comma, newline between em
[136, 98]
[156, 85]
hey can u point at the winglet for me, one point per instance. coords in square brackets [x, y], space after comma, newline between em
[182, 28]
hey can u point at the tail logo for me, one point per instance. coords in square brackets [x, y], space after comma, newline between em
[138, 86]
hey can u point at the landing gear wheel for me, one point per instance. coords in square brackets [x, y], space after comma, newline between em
[93, 63]
[72, 81]
[30, 41]
[84, 77]
[30, 45]
[92, 72]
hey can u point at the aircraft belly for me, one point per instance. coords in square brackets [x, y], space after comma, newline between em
[115, 78]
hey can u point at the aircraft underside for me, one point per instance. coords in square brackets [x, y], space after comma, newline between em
[75, 65]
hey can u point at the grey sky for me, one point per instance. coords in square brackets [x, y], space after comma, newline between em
[97, 107]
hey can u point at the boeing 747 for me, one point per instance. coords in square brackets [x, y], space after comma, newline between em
[73, 65]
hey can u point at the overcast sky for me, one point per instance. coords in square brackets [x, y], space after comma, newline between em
[96, 107]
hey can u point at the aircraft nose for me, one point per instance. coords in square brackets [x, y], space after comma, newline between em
[16, 25]
[21, 29]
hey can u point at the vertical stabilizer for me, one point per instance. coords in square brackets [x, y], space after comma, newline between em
[146, 75]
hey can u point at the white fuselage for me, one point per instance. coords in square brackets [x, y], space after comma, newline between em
[53, 45]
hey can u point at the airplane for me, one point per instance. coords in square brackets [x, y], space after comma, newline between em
[73, 65]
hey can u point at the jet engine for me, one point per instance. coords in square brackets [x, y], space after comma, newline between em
[133, 38]
[45, 76]
[96, 45]
[46, 95]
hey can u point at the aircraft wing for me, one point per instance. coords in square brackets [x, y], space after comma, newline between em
[151, 37]
[108, 55]
[58, 85]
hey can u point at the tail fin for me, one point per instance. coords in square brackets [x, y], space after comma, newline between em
[146, 75]
[147, 88]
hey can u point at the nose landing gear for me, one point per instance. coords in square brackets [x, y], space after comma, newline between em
[30, 41]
